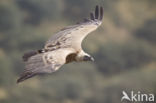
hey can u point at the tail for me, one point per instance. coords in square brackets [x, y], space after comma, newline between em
[27, 55]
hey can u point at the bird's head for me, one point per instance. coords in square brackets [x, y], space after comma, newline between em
[88, 58]
[82, 56]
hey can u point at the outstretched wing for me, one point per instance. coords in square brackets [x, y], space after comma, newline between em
[72, 36]
[47, 62]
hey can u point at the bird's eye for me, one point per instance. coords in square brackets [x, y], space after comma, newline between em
[86, 58]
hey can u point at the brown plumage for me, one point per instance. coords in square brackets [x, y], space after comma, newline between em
[62, 48]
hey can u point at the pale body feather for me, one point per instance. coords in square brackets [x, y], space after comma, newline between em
[63, 47]
[53, 59]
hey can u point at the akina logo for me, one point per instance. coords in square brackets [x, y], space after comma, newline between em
[137, 96]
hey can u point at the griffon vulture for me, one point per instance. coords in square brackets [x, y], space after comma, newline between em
[62, 48]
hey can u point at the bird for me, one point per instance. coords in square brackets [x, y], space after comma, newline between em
[62, 48]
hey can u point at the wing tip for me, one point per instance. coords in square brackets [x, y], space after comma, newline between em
[96, 15]
[96, 12]
[101, 13]
[25, 76]
[18, 81]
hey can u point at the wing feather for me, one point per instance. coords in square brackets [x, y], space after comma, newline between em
[97, 12]
[45, 63]
[72, 36]
[101, 13]
[92, 16]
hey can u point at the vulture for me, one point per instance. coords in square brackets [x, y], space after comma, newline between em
[62, 48]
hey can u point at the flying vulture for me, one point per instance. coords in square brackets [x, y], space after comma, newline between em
[62, 48]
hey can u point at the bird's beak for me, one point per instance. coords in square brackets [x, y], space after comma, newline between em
[92, 59]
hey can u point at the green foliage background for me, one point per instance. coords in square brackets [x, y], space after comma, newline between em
[124, 48]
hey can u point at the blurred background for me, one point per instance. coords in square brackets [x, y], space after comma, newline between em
[124, 48]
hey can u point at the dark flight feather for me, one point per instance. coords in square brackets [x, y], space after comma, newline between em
[25, 76]
[86, 20]
[28, 55]
[91, 16]
[101, 13]
[97, 12]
